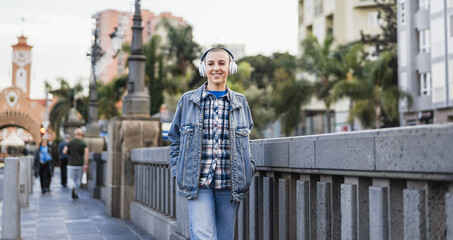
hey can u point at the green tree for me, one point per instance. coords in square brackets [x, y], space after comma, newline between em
[154, 70]
[386, 40]
[181, 46]
[373, 93]
[260, 103]
[288, 98]
[321, 61]
[68, 97]
[263, 69]
[109, 94]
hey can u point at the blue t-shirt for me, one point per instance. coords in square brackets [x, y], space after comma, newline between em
[218, 94]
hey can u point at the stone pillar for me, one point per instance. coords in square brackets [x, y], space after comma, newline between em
[25, 175]
[125, 134]
[11, 207]
[324, 210]
[414, 214]
[378, 199]
[348, 211]
[303, 210]
[73, 122]
[137, 100]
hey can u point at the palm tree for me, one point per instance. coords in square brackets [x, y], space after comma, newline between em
[292, 95]
[68, 97]
[375, 98]
[321, 61]
[110, 94]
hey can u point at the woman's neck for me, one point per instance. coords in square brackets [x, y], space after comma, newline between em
[215, 87]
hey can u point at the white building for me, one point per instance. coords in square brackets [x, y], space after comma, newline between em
[425, 60]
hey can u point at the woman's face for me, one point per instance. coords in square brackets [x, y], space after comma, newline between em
[44, 142]
[217, 66]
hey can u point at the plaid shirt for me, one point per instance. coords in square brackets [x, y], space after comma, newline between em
[215, 157]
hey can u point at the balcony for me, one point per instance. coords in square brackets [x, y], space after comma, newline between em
[367, 3]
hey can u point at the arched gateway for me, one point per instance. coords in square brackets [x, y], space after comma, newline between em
[17, 110]
[22, 120]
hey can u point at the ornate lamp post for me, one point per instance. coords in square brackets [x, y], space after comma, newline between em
[137, 101]
[93, 128]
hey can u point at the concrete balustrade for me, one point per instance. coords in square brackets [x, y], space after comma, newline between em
[25, 178]
[379, 184]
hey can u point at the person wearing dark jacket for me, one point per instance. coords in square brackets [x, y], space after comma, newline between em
[64, 160]
[43, 165]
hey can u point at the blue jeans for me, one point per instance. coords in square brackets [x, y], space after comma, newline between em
[212, 215]
[75, 176]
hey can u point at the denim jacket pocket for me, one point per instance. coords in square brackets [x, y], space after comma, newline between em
[186, 135]
[243, 163]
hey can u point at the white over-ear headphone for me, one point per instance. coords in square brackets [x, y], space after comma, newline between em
[233, 66]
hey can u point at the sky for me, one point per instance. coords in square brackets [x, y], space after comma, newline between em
[60, 31]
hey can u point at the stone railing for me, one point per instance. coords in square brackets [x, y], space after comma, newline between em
[97, 175]
[381, 184]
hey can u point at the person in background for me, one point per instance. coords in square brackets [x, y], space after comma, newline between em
[78, 153]
[64, 160]
[43, 165]
[210, 151]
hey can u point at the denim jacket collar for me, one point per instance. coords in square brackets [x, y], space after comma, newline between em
[196, 98]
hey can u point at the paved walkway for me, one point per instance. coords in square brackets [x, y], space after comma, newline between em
[56, 215]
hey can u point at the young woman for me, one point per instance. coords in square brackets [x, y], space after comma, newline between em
[43, 165]
[210, 151]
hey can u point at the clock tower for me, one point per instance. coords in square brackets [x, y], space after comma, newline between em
[22, 65]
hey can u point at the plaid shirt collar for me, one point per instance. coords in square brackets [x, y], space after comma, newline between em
[206, 93]
[231, 96]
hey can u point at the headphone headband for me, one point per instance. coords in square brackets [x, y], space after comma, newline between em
[206, 53]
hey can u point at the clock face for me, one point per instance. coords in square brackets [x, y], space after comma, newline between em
[21, 57]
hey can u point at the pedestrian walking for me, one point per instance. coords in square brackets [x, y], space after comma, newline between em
[64, 160]
[43, 165]
[210, 150]
[77, 151]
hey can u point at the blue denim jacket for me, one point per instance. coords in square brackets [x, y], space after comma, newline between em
[186, 137]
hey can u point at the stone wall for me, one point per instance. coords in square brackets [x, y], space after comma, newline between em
[380, 184]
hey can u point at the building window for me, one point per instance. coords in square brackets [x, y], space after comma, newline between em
[451, 25]
[423, 4]
[309, 7]
[318, 7]
[373, 19]
[424, 38]
[403, 13]
[425, 84]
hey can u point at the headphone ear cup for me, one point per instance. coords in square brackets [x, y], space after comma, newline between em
[233, 67]
[202, 70]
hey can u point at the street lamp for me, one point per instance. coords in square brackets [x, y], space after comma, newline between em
[93, 128]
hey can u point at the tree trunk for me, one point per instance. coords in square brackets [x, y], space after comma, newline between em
[377, 122]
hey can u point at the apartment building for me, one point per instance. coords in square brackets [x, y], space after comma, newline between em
[114, 29]
[425, 60]
[345, 20]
